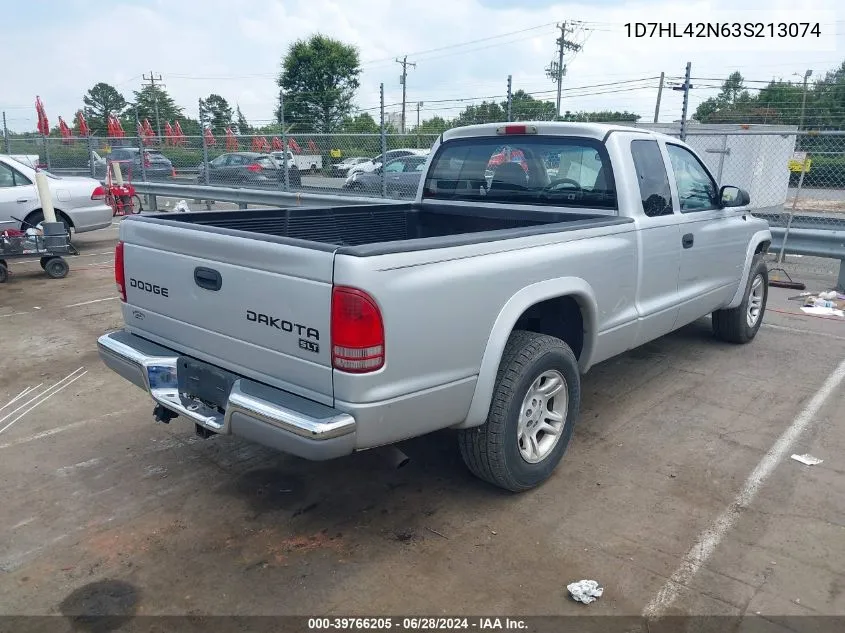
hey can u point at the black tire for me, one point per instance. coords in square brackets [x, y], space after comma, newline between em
[491, 451]
[56, 268]
[38, 216]
[4, 273]
[44, 261]
[137, 207]
[732, 325]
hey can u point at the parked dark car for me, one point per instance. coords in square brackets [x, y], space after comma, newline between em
[156, 165]
[402, 175]
[247, 168]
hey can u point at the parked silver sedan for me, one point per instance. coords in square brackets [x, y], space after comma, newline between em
[79, 202]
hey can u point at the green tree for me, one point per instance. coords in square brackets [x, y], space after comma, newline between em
[319, 80]
[731, 104]
[362, 123]
[145, 104]
[242, 126]
[602, 116]
[217, 113]
[524, 107]
[434, 125]
[101, 101]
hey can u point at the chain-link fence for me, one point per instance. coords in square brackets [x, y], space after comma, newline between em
[334, 163]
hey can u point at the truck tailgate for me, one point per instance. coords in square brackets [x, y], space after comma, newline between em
[255, 307]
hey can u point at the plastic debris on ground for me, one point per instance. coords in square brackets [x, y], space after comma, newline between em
[181, 207]
[585, 591]
[828, 303]
[807, 460]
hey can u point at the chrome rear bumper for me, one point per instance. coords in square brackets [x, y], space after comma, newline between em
[257, 412]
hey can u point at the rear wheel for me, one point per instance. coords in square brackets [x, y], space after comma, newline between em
[136, 204]
[56, 268]
[740, 324]
[34, 218]
[532, 414]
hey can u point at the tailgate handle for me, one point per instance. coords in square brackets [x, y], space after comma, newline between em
[208, 278]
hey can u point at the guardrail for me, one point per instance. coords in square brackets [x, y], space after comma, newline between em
[808, 235]
[243, 197]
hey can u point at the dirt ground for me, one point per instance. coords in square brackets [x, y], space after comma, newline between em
[105, 511]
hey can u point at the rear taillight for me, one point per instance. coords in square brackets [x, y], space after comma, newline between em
[99, 193]
[119, 277]
[254, 167]
[357, 331]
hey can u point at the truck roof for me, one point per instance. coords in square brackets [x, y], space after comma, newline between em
[552, 128]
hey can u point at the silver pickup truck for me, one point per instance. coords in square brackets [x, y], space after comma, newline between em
[531, 253]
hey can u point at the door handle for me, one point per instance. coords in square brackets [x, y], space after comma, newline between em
[21, 200]
[687, 240]
[208, 278]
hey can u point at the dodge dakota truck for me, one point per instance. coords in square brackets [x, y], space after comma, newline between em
[477, 307]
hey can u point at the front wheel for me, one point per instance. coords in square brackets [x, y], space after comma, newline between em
[740, 324]
[136, 204]
[535, 404]
[56, 268]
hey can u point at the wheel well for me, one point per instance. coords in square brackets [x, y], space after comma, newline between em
[59, 214]
[559, 317]
[762, 247]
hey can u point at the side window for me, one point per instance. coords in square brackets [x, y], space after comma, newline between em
[7, 178]
[219, 161]
[696, 189]
[652, 178]
[235, 160]
[12, 178]
[394, 166]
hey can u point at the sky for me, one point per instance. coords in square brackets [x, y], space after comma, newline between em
[464, 51]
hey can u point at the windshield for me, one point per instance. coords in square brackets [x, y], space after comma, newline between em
[538, 170]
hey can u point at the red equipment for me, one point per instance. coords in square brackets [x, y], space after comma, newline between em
[169, 136]
[121, 198]
[84, 130]
[277, 144]
[294, 146]
[312, 147]
[43, 123]
[65, 131]
[231, 141]
[209, 137]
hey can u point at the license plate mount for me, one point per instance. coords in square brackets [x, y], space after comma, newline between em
[204, 382]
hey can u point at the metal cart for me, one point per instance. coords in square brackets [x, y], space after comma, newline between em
[49, 247]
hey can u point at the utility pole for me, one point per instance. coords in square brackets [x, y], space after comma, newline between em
[404, 81]
[153, 79]
[556, 69]
[5, 134]
[685, 87]
[510, 98]
[807, 75]
[659, 95]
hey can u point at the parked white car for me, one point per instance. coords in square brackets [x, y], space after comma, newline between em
[79, 202]
[375, 163]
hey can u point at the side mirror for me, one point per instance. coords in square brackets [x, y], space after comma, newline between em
[730, 196]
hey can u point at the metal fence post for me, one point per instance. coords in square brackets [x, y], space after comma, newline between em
[510, 98]
[284, 138]
[204, 146]
[383, 132]
[46, 151]
[90, 143]
[5, 134]
[141, 151]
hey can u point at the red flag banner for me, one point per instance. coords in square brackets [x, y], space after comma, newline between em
[84, 130]
[43, 123]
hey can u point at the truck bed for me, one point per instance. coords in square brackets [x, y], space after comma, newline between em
[376, 229]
